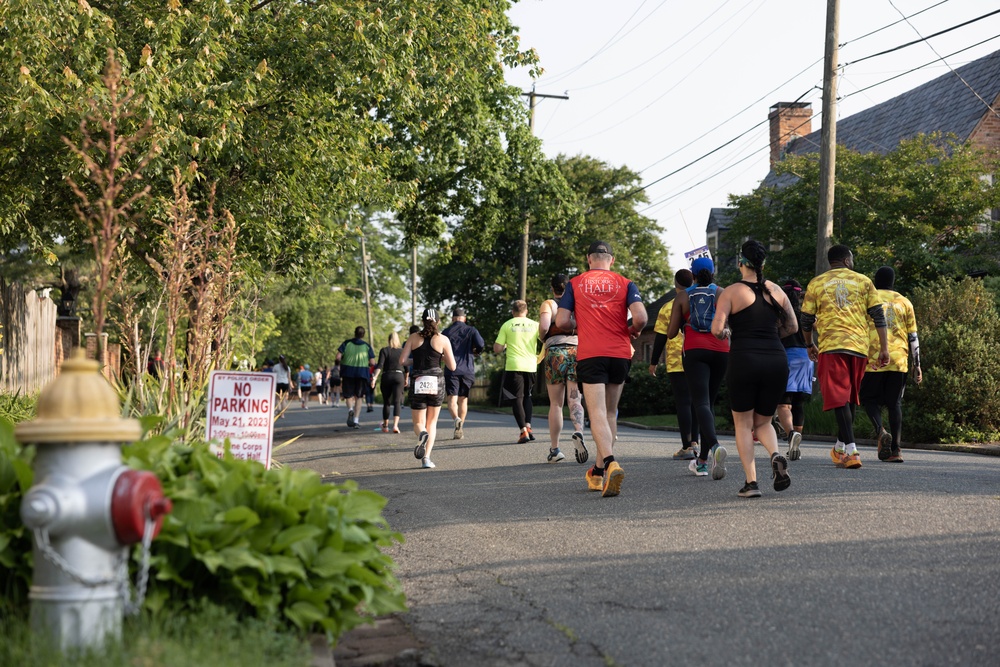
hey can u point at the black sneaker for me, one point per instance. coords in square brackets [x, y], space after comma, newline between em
[884, 445]
[749, 490]
[350, 418]
[779, 471]
[421, 448]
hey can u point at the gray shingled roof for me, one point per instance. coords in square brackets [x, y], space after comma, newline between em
[942, 105]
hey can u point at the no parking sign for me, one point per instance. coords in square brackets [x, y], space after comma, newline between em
[240, 408]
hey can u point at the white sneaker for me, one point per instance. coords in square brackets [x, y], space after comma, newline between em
[427, 463]
[459, 434]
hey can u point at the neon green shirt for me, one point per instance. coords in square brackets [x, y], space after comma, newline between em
[520, 335]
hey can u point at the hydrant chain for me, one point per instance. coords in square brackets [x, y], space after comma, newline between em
[53, 556]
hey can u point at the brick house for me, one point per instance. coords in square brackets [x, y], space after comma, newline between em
[965, 103]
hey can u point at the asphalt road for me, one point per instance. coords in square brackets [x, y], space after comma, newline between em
[509, 560]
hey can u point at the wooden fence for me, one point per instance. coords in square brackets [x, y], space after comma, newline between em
[30, 337]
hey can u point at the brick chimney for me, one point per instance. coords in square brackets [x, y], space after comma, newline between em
[788, 120]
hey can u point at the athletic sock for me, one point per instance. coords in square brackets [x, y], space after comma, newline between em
[852, 449]
[840, 446]
[608, 460]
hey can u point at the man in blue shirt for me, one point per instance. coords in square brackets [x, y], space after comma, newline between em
[466, 343]
[355, 357]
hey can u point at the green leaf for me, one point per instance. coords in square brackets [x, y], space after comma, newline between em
[292, 535]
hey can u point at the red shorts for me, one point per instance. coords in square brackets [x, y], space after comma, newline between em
[840, 378]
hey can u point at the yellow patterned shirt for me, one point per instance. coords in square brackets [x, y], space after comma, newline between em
[675, 345]
[900, 322]
[840, 299]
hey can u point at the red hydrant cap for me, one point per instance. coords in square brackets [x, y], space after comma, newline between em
[136, 496]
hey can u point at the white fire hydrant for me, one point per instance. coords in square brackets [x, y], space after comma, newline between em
[85, 508]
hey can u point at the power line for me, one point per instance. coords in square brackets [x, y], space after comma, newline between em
[894, 23]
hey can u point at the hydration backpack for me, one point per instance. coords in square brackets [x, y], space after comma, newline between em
[702, 298]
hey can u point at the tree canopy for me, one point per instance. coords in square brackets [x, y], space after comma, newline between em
[596, 201]
[922, 208]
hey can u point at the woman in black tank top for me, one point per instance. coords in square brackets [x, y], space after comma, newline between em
[757, 313]
[425, 350]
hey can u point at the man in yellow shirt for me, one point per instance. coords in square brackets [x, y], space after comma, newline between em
[687, 419]
[837, 306]
[884, 385]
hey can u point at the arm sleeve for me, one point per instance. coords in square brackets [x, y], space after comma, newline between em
[877, 314]
[371, 352]
[568, 300]
[659, 342]
[478, 344]
[381, 359]
[806, 322]
[914, 348]
[632, 294]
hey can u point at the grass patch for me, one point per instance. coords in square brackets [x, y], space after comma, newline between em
[17, 407]
[210, 635]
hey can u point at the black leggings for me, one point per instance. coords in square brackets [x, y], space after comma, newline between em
[687, 419]
[392, 392]
[518, 386]
[704, 370]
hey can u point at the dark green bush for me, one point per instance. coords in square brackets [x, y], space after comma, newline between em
[959, 399]
[16, 477]
[646, 395]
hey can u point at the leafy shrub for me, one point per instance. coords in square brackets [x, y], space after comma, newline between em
[959, 399]
[271, 543]
[16, 477]
[17, 408]
[646, 395]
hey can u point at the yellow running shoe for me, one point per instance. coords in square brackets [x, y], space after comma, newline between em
[852, 460]
[613, 477]
[594, 482]
[839, 458]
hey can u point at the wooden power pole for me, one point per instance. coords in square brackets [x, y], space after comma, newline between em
[828, 138]
[522, 280]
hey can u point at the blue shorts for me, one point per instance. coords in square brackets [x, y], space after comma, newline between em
[458, 385]
[800, 371]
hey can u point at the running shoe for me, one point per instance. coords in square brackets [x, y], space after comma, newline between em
[884, 445]
[427, 463]
[779, 472]
[531, 436]
[459, 434]
[395, 429]
[852, 461]
[794, 440]
[594, 482]
[350, 418]
[895, 457]
[580, 449]
[749, 490]
[698, 467]
[778, 428]
[717, 456]
[421, 448]
[838, 458]
[613, 477]
[523, 439]
[555, 456]
[685, 454]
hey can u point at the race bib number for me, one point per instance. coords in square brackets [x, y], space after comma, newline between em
[425, 384]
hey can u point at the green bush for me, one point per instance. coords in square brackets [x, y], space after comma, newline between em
[959, 399]
[16, 477]
[646, 395]
[17, 408]
[275, 544]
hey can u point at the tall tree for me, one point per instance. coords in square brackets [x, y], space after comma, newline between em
[922, 207]
[598, 202]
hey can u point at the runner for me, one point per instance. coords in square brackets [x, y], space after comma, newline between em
[355, 357]
[752, 312]
[393, 380]
[597, 304]
[687, 418]
[425, 350]
[837, 307]
[559, 348]
[282, 384]
[466, 344]
[518, 337]
[705, 361]
[305, 385]
[791, 415]
[883, 386]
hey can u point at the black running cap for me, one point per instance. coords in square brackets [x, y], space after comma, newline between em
[598, 247]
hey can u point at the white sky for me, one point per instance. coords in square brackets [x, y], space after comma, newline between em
[655, 84]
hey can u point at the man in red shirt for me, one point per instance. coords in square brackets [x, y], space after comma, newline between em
[597, 303]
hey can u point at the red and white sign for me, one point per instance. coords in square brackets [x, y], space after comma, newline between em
[241, 408]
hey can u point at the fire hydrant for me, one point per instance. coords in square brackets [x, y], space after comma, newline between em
[85, 509]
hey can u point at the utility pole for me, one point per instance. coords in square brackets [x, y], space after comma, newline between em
[368, 296]
[828, 138]
[413, 293]
[522, 281]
